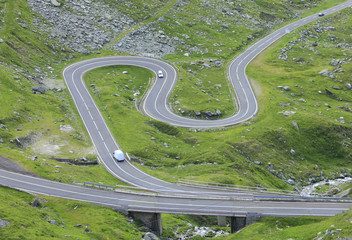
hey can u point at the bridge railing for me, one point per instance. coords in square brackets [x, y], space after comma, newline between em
[234, 187]
[99, 185]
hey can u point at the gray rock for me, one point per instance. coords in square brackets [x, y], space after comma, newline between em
[295, 124]
[206, 66]
[286, 88]
[4, 223]
[1, 41]
[149, 236]
[302, 100]
[327, 73]
[257, 162]
[291, 181]
[55, 3]
[38, 90]
[349, 86]
[53, 222]
[288, 113]
[328, 92]
[36, 202]
[293, 152]
[335, 62]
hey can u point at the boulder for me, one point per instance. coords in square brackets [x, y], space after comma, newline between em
[53, 222]
[349, 86]
[149, 236]
[295, 124]
[288, 113]
[335, 62]
[328, 92]
[327, 73]
[3, 223]
[38, 90]
[55, 3]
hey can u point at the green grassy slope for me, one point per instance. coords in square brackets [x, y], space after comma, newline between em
[253, 153]
[211, 34]
[35, 119]
[338, 227]
[28, 222]
[269, 148]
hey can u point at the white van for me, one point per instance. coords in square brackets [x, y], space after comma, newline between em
[118, 155]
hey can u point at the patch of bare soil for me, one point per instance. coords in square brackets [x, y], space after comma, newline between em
[256, 87]
[11, 166]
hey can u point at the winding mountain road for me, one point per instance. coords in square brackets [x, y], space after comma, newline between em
[171, 198]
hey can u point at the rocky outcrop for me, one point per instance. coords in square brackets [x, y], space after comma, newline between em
[327, 73]
[4, 223]
[148, 42]
[80, 25]
[38, 90]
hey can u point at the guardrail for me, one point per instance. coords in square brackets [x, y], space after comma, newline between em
[117, 188]
[234, 187]
[99, 185]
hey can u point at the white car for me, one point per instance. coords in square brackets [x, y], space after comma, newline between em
[321, 14]
[118, 155]
[160, 74]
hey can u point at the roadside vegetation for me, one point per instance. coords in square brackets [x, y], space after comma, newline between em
[42, 217]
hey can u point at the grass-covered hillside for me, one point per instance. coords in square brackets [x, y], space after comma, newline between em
[25, 216]
[264, 151]
[337, 227]
[302, 133]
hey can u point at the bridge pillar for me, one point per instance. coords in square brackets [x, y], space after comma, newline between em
[221, 221]
[237, 223]
[150, 220]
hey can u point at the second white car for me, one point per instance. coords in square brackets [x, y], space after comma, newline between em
[160, 74]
